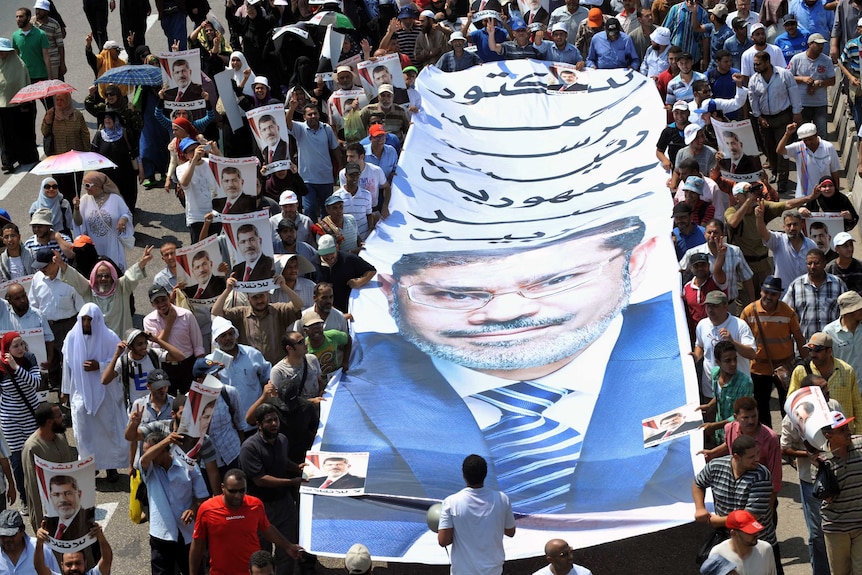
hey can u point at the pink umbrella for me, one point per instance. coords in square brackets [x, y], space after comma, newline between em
[41, 90]
[72, 161]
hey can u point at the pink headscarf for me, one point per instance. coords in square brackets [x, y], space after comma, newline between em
[94, 282]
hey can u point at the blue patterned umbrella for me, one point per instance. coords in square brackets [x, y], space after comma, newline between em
[133, 74]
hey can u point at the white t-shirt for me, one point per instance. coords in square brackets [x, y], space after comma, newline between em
[371, 179]
[707, 335]
[199, 192]
[761, 561]
[140, 370]
[576, 570]
[479, 517]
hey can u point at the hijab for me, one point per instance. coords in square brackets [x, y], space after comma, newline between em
[248, 89]
[78, 348]
[54, 204]
[5, 346]
[13, 77]
[94, 282]
[105, 60]
[115, 133]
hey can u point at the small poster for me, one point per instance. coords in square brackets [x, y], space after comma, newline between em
[335, 474]
[201, 271]
[822, 227]
[343, 102]
[384, 70]
[236, 181]
[809, 413]
[68, 493]
[25, 282]
[198, 413]
[269, 128]
[181, 76]
[568, 79]
[736, 142]
[252, 257]
[679, 422]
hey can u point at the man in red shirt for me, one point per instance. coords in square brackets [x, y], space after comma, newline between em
[229, 526]
[704, 281]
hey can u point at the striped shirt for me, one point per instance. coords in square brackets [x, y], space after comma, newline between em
[852, 275]
[842, 387]
[358, 205]
[846, 344]
[774, 96]
[850, 56]
[678, 21]
[844, 512]
[777, 333]
[815, 306]
[34, 246]
[16, 418]
[735, 267]
[752, 492]
[406, 40]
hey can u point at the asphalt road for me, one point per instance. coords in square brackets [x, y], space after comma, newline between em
[159, 218]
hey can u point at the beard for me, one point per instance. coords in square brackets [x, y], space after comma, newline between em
[515, 353]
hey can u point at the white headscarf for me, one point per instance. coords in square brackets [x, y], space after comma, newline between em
[221, 325]
[248, 89]
[100, 345]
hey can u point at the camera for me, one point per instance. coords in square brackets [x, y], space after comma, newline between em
[755, 189]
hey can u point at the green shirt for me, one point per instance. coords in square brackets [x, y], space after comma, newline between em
[740, 385]
[328, 353]
[29, 46]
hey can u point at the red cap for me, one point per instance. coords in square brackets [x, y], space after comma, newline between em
[376, 130]
[744, 521]
[82, 241]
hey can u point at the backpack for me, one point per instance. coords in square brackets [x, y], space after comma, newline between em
[126, 373]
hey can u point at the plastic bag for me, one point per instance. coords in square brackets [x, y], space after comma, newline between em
[135, 508]
[354, 129]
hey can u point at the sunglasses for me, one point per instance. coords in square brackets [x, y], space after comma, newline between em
[235, 491]
[89, 185]
[816, 347]
[51, 187]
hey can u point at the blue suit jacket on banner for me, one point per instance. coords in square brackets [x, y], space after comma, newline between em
[395, 405]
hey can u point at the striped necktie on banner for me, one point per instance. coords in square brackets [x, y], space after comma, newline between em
[534, 456]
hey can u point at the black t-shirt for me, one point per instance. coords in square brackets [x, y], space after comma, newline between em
[258, 458]
[671, 141]
[346, 268]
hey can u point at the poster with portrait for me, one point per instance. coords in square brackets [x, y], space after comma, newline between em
[383, 70]
[236, 181]
[335, 474]
[822, 227]
[344, 102]
[269, 128]
[533, 11]
[250, 244]
[353, 62]
[201, 270]
[197, 414]
[741, 162]
[35, 340]
[181, 78]
[575, 225]
[672, 424]
[567, 79]
[25, 282]
[809, 413]
[68, 494]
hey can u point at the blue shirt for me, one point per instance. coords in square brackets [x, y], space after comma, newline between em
[315, 165]
[248, 373]
[792, 46]
[815, 19]
[678, 21]
[387, 161]
[480, 39]
[716, 39]
[736, 48]
[170, 492]
[606, 55]
[391, 139]
[448, 62]
[568, 55]
[723, 86]
[684, 243]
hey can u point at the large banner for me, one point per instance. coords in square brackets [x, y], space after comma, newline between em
[525, 310]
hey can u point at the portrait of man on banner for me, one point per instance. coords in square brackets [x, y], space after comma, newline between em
[271, 134]
[741, 158]
[384, 70]
[237, 187]
[250, 244]
[181, 74]
[203, 271]
[338, 474]
[568, 79]
[197, 416]
[677, 423]
[68, 498]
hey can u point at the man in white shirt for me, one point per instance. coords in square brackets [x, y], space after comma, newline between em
[480, 515]
[561, 560]
[743, 549]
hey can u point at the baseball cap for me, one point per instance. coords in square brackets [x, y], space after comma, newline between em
[42, 5]
[743, 521]
[376, 130]
[695, 181]
[707, 107]
[43, 257]
[661, 35]
[739, 23]
[158, 379]
[754, 28]
[357, 560]
[157, 291]
[385, 88]
[594, 18]
[343, 70]
[819, 339]
[352, 168]
[82, 240]
[11, 522]
[311, 319]
[559, 27]
[739, 188]
[838, 419]
[698, 258]
[791, 17]
[715, 297]
[806, 130]
[691, 132]
[841, 238]
[110, 45]
[613, 25]
[204, 367]
[333, 199]
[42, 217]
[720, 11]
[680, 105]
[132, 334]
[326, 245]
[859, 22]
[816, 39]
[410, 69]
[187, 143]
[681, 208]
[427, 14]
[849, 301]
[287, 198]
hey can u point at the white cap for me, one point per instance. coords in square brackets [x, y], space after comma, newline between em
[427, 14]
[559, 27]
[456, 35]
[806, 130]
[287, 198]
[859, 22]
[660, 36]
[840, 239]
[739, 188]
[261, 80]
[754, 28]
[691, 132]
[42, 5]
[358, 559]
[110, 44]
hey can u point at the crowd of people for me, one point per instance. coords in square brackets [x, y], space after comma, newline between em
[326, 183]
